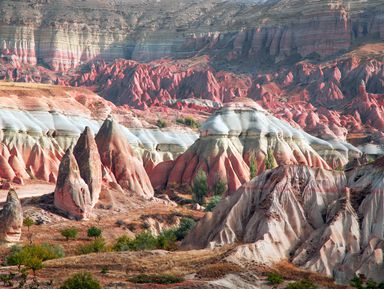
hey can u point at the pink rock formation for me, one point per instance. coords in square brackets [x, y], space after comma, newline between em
[11, 218]
[118, 158]
[88, 160]
[72, 195]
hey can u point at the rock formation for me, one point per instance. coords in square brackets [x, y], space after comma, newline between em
[11, 218]
[41, 32]
[120, 161]
[72, 195]
[318, 219]
[234, 135]
[89, 163]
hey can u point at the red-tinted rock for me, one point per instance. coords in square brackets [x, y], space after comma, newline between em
[118, 158]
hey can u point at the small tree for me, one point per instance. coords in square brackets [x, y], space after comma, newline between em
[200, 187]
[270, 161]
[186, 225]
[219, 187]
[212, 203]
[252, 167]
[83, 280]
[274, 279]
[69, 233]
[34, 263]
[94, 232]
[28, 222]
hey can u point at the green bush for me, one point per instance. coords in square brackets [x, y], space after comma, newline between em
[156, 279]
[212, 203]
[19, 255]
[186, 225]
[200, 187]
[219, 187]
[96, 246]
[302, 284]
[274, 278]
[161, 123]
[83, 280]
[146, 241]
[253, 167]
[69, 233]
[270, 161]
[358, 283]
[94, 232]
[188, 121]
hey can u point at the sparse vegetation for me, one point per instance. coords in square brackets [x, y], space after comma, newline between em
[69, 233]
[212, 203]
[252, 167]
[7, 279]
[200, 187]
[94, 232]
[83, 280]
[218, 270]
[28, 222]
[219, 187]
[95, 246]
[188, 121]
[359, 282]
[147, 241]
[161, 123]
[274, 278]
[302, 284]
[155, 279]
[270, 161]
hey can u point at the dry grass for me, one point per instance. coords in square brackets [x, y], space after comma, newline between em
[218, 270]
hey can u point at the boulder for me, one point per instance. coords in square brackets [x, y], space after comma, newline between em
[11, 218]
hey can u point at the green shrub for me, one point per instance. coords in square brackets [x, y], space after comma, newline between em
[212, 203]
[186, 225]
[28, 222]
[94, 232]
[219, 187]
[19, 255]
[156, 279]
[302, 284]
[200, 187]
[69, 233]
[270, 161]
[253, 167]
[161, 123]
[96, 246]
[358, 283]
[83, 280]
[7, 279]
[188, 121]
[274, 278]
[167, 240]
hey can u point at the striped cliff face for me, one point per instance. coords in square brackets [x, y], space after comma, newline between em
[259, 31]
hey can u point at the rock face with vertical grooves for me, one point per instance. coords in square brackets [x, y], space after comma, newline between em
[72, 195]
[11, 219]
[324, 221]
[240, 131]
[88, 160]
[118, 158]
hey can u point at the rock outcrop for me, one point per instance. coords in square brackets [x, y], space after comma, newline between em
[65, 34]
[11, 218]
[120, 161]
[318, 219]
[89, 163]
[239, 132]
[72, 195]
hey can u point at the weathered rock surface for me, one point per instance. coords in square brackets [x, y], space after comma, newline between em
[11, 218]
[120, 162]
[241, 131]
[72, 195]
[64, 34]
[88, 160]
[318, 219]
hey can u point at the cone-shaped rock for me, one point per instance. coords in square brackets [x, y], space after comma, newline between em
[11, 218]
[72, 193]
[88, 160]
[117, 156]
